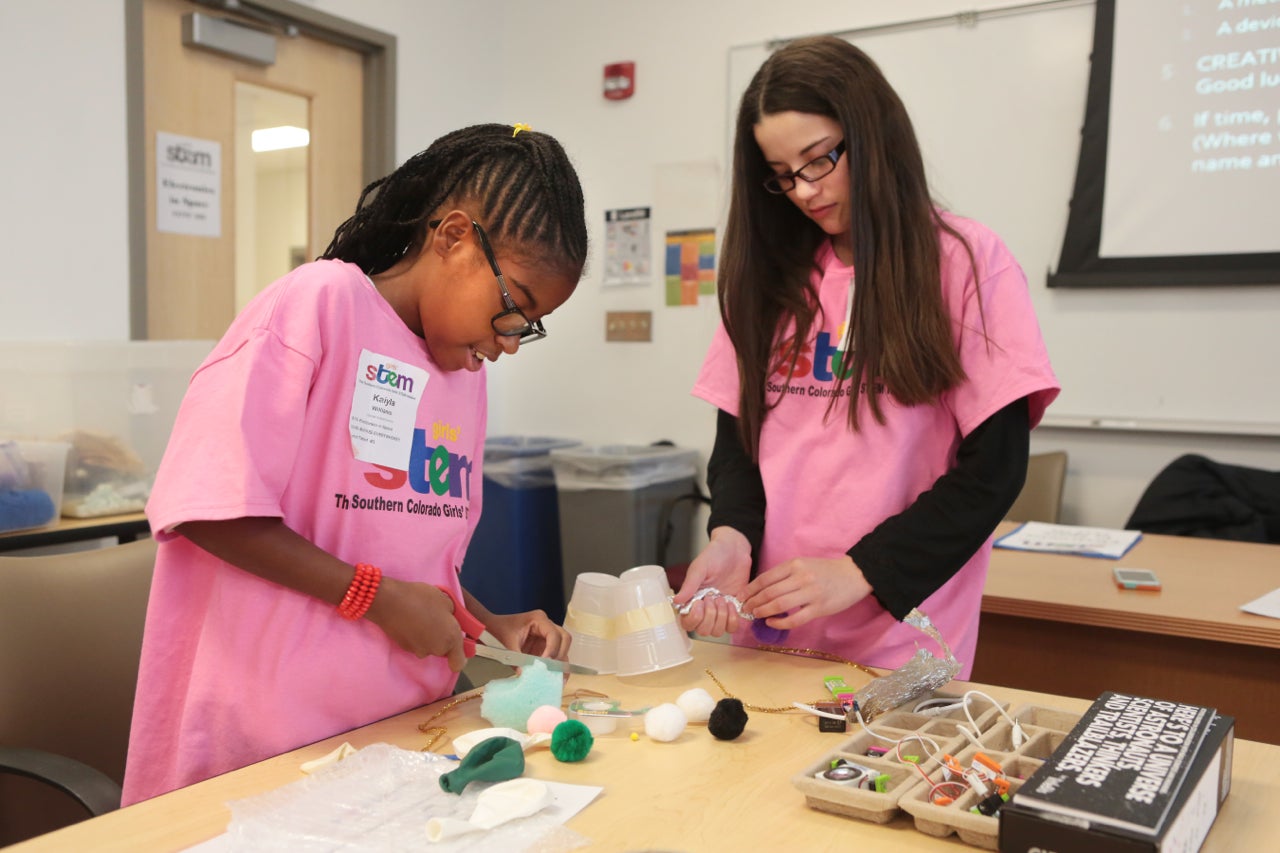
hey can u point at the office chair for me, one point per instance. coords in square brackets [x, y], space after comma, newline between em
[70, 638]
[1041, 495]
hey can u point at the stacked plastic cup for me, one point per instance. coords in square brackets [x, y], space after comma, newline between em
[649, 635]
[590, 619]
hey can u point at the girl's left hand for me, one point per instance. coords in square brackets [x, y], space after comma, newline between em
[805, 588]
[532, 633]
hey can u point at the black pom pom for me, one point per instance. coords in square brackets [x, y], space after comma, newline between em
[728, 719]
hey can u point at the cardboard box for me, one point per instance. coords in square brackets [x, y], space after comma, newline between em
[1107, 789]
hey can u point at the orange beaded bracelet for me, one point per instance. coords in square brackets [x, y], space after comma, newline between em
[364, 586]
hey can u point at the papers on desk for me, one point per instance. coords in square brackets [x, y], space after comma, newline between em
[1070, 539]
[1267, 605]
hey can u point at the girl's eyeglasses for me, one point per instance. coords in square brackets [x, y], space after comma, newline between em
[814, 170]
[510, 322]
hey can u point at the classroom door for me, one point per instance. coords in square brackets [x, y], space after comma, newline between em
[214, 242]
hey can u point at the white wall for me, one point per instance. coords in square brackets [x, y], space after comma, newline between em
[449, 56]
[63, 164]
[1107, 471]
[597, 392]
[64, 234]
[637, 393]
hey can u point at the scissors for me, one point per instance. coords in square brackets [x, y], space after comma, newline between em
[473, 644]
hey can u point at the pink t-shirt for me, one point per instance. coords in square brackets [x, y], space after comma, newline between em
[235, 669]
[827, 486]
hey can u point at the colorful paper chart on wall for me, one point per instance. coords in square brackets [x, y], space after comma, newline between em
[691, 265]
[626, 246]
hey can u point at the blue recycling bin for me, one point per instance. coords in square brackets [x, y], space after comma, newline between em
[513, 563]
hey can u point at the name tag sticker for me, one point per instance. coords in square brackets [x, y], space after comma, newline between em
[384, 409]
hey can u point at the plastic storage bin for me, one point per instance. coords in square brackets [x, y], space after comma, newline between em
[513, 562]
[611, 503]
[114, 402]
[31, 474]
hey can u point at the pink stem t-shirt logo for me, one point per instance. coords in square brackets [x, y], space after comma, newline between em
[432, 470]
[825, 362]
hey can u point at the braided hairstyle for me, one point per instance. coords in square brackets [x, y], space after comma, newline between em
[521, 188]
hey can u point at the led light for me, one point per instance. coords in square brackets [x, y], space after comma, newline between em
[279, 138]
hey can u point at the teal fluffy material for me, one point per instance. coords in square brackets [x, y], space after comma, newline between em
[509, 702]
[571, 741]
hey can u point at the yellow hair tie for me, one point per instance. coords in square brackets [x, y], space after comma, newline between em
[519, 126]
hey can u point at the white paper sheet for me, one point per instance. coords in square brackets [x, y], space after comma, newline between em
[1266, 605]
[1070, 539]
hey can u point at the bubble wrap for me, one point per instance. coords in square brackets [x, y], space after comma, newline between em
[380, 799]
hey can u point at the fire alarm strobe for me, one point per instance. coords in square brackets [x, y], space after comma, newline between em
[619, 80]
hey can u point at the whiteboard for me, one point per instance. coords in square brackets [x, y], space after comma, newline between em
[997, 105]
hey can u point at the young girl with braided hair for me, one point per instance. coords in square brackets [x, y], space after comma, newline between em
[323, 477]
[877, 373]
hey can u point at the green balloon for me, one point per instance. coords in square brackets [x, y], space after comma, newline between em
[494, 759]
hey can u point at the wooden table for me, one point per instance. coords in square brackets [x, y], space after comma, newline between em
[694, 794]
[125, 528]
[1058, 624]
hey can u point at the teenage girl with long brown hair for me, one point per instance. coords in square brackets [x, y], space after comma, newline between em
[877, 372]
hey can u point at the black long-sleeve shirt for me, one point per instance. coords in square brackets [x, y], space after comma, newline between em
[910, 555]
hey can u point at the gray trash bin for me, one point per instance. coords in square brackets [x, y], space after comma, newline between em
[611, 501]
[513, 562]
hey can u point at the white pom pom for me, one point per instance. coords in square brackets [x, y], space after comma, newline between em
[697, 705]
[665, 722]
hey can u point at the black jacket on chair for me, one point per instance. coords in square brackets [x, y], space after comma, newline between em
[1195, 496]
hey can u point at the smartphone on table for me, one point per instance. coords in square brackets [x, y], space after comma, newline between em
[1143, 579]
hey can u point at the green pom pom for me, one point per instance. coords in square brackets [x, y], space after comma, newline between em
[571, 741]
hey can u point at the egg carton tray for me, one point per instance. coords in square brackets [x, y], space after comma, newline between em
[919, 734]
[906, 788]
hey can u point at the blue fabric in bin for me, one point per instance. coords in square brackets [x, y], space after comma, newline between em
[23, 508]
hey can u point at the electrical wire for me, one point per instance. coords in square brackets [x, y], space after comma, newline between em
[976, 734]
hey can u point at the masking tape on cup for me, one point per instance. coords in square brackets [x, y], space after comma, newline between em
[645, 618]
[589, 624]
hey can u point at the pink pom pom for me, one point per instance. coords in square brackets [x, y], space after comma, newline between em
[545, 718]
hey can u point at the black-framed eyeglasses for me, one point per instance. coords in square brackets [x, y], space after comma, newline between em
[510, 322]
[814, 170]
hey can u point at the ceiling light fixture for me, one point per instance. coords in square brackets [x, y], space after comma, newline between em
[278, 138]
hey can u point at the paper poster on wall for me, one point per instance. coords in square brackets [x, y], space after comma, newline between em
[188, 185]
[691, 265]
[627, 246]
